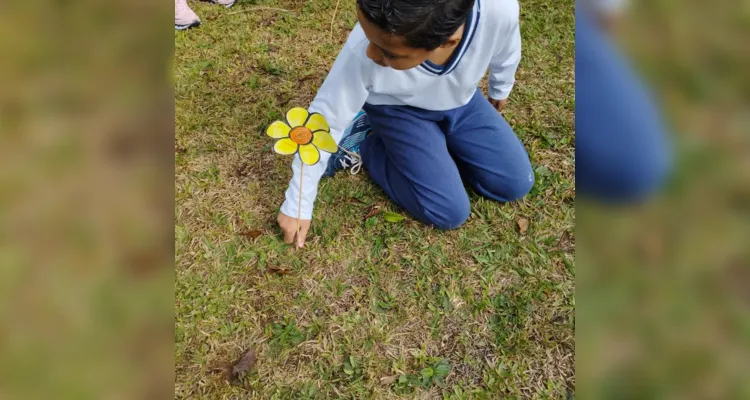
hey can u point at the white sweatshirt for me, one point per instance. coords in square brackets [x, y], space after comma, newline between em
[492, 40]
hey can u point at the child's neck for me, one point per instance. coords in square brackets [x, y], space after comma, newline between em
[441, 55]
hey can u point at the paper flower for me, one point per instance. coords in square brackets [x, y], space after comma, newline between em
[304, 133]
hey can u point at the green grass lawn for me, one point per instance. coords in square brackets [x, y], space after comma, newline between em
[368, 309]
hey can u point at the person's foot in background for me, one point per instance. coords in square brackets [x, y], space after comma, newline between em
[225, 3]
[184, 17]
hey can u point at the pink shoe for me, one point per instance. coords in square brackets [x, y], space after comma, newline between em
[225, 3]
[184, 17]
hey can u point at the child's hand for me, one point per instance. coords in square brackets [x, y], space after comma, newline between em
[498, 104]
[288, 227]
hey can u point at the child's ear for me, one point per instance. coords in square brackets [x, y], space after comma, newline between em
[452, 42]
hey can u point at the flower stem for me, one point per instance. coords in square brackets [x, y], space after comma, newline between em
[299, 206]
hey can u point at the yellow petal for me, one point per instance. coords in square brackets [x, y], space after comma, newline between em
[278, 130]
[309, 154]
[296, 116]
[317, 122]
[324, 141]
[285, 146]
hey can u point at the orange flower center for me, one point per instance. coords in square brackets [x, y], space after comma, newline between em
[301, 135]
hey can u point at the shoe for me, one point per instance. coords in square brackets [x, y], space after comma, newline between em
[348, 154]
[184, 17]
[225, 3]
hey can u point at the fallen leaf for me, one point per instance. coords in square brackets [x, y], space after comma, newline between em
[523, 225]
[250, 234]
[242, 366]
[558, 319]
[224, 368]
[374, 210]
[242, 170]
[268, 22]
[302, 80]
[393, 217]
[356, 200]
[566, 242]
[278, 271]
[388, 380]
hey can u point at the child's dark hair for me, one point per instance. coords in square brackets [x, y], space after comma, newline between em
[425, 24]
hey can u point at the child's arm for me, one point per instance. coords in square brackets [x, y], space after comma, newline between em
[505, 60]
[341, 96]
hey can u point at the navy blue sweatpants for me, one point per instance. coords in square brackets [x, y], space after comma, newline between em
[422, 159]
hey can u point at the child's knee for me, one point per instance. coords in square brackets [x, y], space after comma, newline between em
[631, 173]
[642, 183]
[519, 187]
[625, 183]
[448, 215]
[507, 188]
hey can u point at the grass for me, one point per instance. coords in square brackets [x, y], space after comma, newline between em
[368, 309]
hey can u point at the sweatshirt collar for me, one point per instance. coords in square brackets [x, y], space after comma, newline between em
[471, 27]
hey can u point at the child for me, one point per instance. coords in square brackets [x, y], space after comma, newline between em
[414, 67]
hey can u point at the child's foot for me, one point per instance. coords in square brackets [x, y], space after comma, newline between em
[184, 17]
[225, 3]
[348, 154]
